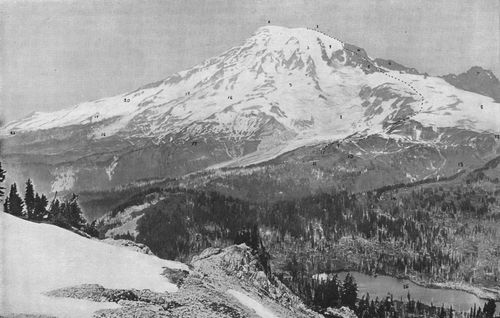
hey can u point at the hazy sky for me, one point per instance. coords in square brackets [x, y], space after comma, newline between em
[54, 54]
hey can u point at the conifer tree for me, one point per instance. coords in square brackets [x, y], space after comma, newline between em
[6, 205]
[72, 212]
[2, 179]
[29, 199]
[43, 205]
[349, 292]
[55, 211]
[40, 206]
[442, 312]
[36, 207]
[15, 202]
[489, 308]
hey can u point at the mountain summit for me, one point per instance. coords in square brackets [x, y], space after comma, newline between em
[280, 90]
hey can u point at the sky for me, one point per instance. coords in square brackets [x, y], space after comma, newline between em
[55, 54]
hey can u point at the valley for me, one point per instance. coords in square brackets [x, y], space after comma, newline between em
[438, 233]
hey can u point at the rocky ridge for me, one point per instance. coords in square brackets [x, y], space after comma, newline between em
[227, 282]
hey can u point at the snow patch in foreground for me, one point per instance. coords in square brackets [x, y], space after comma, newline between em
[252, 304]
[37, 258]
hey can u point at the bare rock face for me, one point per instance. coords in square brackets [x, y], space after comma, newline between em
[236, 260]
[477, 80]
[237, 268]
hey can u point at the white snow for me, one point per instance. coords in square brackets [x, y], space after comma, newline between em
[111, 168]
[126, 221]
[251, 303]
[128, 226]
[234, 94]
[37, 258]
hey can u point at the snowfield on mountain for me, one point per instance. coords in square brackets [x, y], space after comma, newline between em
[38, 258]
[280, 90]
[299, 77]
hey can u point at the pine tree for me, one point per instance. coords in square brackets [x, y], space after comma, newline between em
[40, 209]
[442, 312]
[73, 213]
[36, 207]
[91, 230]
[55, 211]
[489, 308]
[6, 205]
[29, 199]
[255, 238]
[44, 202]
[2, 179]
[349, 292]
[15, 202]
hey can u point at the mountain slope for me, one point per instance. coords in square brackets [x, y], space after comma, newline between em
[281, 90]
[49, 271]
[37, 258]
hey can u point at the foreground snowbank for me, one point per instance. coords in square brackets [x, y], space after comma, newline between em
[37, 258]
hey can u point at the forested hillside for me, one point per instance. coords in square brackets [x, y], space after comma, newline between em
[442, 231]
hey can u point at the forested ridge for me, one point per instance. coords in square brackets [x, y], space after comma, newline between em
[415, 229]
[439, 232]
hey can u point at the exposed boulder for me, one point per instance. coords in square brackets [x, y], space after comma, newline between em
[342, 312]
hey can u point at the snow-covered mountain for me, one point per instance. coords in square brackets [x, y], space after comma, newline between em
[280, 90]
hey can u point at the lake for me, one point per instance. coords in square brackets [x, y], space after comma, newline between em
[379, 287]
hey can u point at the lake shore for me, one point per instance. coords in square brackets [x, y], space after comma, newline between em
[460, 296]
[480, 292]
[483, 293]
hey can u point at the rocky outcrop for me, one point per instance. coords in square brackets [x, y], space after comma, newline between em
[340, 312]
[236, 267]
[138, 247]
[227, 282]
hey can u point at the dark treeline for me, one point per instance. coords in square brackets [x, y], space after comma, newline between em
[390, 307]
[65, 213]
[320, 292]
[326, 290]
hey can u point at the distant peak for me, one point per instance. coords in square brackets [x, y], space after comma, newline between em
[478, 70]
[478, 80]
[277, 29]
[277, 37]
[274, 30]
